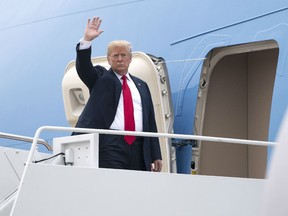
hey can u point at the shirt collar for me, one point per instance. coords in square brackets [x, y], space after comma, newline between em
[120, 76]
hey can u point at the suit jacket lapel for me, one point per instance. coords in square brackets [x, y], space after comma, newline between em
[143, 94]
[139, 87]
[118, 88]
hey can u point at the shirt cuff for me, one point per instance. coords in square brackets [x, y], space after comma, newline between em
[84, 44]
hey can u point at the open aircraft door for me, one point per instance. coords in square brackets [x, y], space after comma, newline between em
[148, 68]
[235, 100]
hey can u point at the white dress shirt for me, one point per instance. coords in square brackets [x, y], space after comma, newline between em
[118, 123]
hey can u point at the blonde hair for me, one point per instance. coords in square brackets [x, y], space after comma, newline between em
[119, 43]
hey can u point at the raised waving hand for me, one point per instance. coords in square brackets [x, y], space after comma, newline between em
[92, 29]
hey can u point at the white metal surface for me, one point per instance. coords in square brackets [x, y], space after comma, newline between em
[276, 192]
[82, 147]
[10, 173]
[79, 189]
[61, 190]
[12, 163]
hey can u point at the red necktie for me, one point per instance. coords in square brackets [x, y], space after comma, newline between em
[129, 123]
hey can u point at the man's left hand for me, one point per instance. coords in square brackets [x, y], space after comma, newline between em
[156, 166]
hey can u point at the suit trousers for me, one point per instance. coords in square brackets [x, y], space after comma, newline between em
[115, 153]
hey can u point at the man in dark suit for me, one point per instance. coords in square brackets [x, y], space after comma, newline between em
[108, 106]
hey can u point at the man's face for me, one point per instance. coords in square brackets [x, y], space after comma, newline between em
[120, 59]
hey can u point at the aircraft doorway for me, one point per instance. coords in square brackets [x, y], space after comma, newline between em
[234, 101]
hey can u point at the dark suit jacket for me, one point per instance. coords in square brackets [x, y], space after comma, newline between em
[105, 89]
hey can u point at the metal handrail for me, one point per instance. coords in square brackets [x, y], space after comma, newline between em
[25, 139]
[143, 134]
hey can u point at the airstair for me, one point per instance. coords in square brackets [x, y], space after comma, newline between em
[76, 186]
